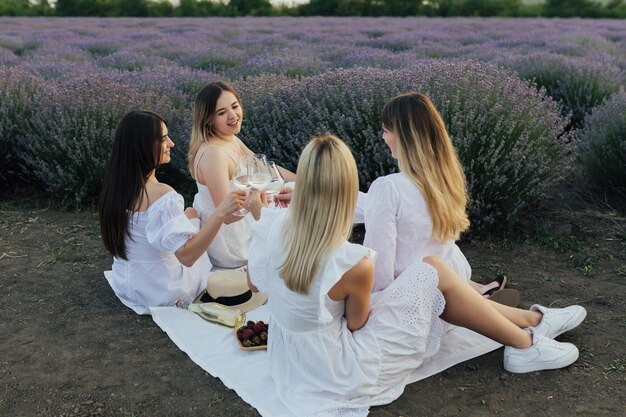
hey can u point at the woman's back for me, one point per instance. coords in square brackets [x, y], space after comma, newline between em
[399, 227]
[316, 361]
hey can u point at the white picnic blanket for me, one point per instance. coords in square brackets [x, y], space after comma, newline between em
[215, 349]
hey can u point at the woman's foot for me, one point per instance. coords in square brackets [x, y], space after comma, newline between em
[545, 353]
[556, 321]
[498, 284]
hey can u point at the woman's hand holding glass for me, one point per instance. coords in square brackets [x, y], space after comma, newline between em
[255, 201]
[232, 203]
[283, 198]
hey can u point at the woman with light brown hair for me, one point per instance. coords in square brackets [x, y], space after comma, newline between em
[420, 211]
[214, 151]
[336, 348]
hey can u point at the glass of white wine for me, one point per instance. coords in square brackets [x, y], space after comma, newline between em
[242, 178]
[273, 188]
[260, 175]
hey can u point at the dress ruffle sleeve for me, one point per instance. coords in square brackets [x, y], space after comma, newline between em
[341, 261]
[381, 211]
[168, 228]
[258, 258]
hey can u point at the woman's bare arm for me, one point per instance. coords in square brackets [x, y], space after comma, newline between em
[214, 172]
[355, 286]
[195, 247]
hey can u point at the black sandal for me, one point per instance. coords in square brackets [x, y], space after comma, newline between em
[501, 279]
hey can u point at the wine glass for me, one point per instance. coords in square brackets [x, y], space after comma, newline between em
[273, 188]
[260, 175]
[242, 178]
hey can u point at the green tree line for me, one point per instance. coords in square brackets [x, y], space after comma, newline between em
[444, 8]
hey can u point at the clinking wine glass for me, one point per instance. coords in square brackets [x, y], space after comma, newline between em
[273, 188]
[242, 178]
[252, 171]
[261, 175]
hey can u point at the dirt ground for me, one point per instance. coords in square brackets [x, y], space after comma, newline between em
[70, 348]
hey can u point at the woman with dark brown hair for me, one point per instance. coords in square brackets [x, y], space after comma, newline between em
[158, 247]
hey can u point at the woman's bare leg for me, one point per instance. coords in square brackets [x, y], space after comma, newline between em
[465, 307]
[522, 318]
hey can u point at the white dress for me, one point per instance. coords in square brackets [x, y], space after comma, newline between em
[152, 275]
[398, 226]
[230, 246]
[319, 366]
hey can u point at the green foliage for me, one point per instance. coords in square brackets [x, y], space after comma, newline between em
[478, 7]
[164, 8]
[251, 7]
[573, 8]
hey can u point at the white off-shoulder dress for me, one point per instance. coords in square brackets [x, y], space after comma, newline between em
[399, 227]
[230, 246]
[320, 367]
[152, 276]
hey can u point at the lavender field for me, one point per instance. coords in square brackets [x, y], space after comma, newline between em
[516, 94]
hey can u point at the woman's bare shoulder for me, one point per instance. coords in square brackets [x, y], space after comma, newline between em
[360, 277]
[154, 191]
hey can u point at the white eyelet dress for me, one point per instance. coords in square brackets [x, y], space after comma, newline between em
[230, 246]
[153, 276]
[319, 366]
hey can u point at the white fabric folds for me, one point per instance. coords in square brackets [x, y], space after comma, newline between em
[215, 349]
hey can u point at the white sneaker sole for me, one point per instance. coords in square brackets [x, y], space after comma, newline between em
[567, 359]
[572, 323]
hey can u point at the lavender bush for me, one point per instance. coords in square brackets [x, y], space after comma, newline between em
[579, 84]
[16, 110]
[68, 138]
[603, 142]
[509, 135]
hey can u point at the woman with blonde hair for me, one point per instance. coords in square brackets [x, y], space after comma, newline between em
[214, 151]
[420, 211]
[336, 348]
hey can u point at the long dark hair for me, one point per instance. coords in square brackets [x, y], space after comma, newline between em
[133, 158]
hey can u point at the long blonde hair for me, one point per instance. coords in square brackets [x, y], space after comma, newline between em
[203, 115]
[427, 156]
[321, 211]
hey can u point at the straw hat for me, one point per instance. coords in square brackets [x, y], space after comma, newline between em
[230, 288]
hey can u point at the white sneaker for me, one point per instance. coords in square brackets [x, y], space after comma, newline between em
[556, 321]
[543, 354]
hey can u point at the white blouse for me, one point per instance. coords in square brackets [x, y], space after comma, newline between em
[152, 275]
[398, 226]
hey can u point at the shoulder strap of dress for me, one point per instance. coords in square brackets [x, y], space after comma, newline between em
[199, 155]
[198, 158]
